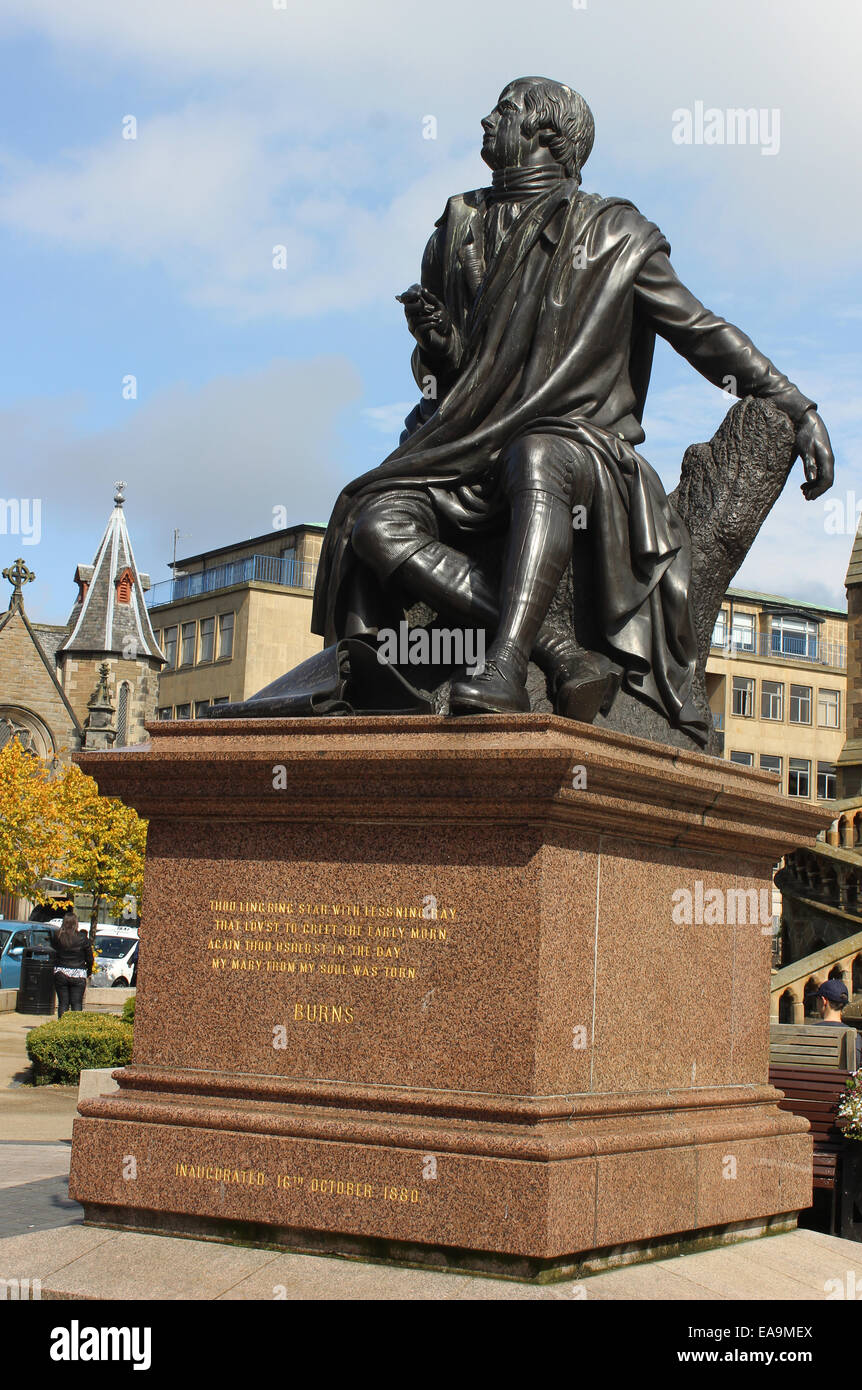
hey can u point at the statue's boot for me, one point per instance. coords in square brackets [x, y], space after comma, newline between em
[538, 548]
[581, 684]
[446, 579]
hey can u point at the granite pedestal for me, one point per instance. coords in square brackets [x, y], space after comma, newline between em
[489, 992]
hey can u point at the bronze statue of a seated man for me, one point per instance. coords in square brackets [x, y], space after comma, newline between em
[535, 325]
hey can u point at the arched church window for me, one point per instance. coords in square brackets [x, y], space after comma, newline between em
[123, 715]
[31, 732]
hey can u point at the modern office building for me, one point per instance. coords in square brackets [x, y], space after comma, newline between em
[233, 619]
[777, 687]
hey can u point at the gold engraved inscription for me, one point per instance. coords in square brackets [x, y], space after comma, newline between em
[360, 941]
[320, 1185]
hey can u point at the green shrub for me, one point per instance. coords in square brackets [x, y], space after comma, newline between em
[61, 1049]
[129, 1010]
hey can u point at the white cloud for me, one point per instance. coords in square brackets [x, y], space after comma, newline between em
[213, 461]
[209, 194]
[313, 140]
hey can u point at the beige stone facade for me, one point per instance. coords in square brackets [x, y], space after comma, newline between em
[777, 686]
[234, 619]
[134, 687]
[31, 698]
[850, 766]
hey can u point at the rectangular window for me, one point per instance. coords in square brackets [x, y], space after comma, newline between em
[799, 777]
[184, 711]
[829, 709]
[166, 712]
[795, 637]
[800, 704]
[827, 781]
[201, 707]
[719, 632]
[222, 700]
[225, 635]
[745, 759]
[772, 699]
[170, 647]
[188, 648]
[207, 634]
[742, 633]
[770, 763]
[743, 696]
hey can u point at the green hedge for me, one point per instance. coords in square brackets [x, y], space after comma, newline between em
[129, 1010]
[62, 1049]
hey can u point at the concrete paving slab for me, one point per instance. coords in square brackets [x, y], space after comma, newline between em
[812, 1264]
[24, 1163]
[132, 1266]
[43, 1113]
[647, 1281]
[88, 1262]
[41, 1254]
[834, 1243]
[38, 1206]
[97, 1081]
[13, 1038]
[733, 1274]
[307, 1278]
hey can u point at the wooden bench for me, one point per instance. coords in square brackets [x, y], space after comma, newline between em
[811, 1064]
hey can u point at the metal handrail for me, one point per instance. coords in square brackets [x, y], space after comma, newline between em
[783, 646]
[286, 571]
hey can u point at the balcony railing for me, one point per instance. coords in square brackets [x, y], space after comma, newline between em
[784, 646]
[286, 571]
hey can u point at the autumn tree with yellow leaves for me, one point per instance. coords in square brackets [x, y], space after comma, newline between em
[31, 836]
[104, 844]
[58, 826]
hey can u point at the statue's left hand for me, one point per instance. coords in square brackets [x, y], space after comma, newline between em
[428, 319]
[815, 449]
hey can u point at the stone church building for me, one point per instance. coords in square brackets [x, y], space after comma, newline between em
[94, 681]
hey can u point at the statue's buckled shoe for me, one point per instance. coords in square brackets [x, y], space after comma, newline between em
[586, 687]
[492, 692]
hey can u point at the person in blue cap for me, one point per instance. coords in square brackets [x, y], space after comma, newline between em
[832, 997]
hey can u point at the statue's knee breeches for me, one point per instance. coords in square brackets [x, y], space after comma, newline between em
[551, 464]
[391, 527]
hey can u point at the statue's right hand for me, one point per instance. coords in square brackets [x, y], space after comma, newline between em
[428, 319]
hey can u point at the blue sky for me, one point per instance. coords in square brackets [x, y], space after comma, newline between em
[262, 124]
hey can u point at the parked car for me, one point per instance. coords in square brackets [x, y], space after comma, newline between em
[14, 937]
[116, 958]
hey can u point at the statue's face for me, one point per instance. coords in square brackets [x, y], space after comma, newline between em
[504, 145]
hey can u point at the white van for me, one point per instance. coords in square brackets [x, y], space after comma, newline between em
[116, 951]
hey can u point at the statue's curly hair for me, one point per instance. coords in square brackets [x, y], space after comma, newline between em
[562, 120]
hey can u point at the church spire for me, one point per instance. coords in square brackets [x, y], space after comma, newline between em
[110, 615]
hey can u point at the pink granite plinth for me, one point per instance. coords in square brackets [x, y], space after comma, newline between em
[493, 985]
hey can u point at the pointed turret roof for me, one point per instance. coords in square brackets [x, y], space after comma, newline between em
[854, 569]
[110, 608]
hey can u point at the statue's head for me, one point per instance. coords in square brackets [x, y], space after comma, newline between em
[537, 121]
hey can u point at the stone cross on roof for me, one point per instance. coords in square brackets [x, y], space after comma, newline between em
[18, 575]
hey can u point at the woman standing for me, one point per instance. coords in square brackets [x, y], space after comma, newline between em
[73, 964]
